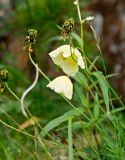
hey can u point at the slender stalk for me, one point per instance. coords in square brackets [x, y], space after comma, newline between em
[31, 136]
[78, 9]
[18, 130]
[45, 148]
[81, 113]
[43, 74]
[29, 9]
[7, 86]
[70, 142]
[81, 24]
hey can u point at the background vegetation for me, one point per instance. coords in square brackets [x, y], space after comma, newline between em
[96, 134]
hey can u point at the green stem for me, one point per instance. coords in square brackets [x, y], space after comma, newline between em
[43, 74]
[7, 86]
[71, 45]
[82, 113]
[45, 148]
[81, 30]
[29, 9]
[70, 142]
[79, 13]
[81, 24]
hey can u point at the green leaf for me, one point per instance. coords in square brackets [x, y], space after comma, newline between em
[96, 107]
[78, 39]
[93, 63]
[7, 152]
[70, 143]
[80, 78]
[81, 96]
[56, 122]
[12, 105]
[104, 87]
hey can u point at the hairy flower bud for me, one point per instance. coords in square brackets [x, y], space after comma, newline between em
[2, 87]
[67, 28]
[4, 75]
[30, 40]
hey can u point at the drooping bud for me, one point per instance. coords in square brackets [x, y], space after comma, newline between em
[67, 28]
[4, 75]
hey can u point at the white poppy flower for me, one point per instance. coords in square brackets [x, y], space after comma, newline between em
[62, 85]
[69, 59]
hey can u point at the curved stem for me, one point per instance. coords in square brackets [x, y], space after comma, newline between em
[28, 90]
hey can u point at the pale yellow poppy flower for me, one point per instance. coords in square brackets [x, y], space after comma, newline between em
[62, 85]
[68, 59]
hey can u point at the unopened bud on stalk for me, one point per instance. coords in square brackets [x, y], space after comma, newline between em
[2, 87]
[30, 40]
[32, 32]
[4, 75]
[67, 28]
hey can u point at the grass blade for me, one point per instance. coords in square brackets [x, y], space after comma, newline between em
[104, 87]
[70, 143]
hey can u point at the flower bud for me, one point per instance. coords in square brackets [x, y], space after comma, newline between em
[67, 28]
[2, 87]
[4, 75]
[30, 40]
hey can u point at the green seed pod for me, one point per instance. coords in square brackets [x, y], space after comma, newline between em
[4, 75]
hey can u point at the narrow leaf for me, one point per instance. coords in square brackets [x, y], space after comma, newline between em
[104, 87]
[70, 143]
[78, 39]
[80, 78]
[56, 122]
